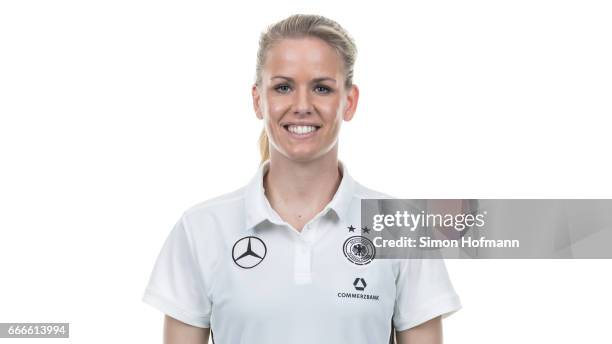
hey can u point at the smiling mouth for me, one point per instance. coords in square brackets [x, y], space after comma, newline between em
[301, 129]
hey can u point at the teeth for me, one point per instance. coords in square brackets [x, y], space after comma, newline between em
[302, 129]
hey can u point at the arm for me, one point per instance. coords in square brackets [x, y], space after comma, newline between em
[177, 332]
[429, 332]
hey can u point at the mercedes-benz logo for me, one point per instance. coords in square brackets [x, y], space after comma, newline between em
[248, 252]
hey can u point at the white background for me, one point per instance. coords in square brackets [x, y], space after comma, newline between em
[116, 116]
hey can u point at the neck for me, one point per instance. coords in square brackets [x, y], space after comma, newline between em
[300, 190]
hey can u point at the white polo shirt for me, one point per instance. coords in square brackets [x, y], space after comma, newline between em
[233, 265]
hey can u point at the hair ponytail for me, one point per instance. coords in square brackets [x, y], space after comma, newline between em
[264, 148]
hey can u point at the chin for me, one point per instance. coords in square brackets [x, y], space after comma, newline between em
[303, 152]
[304, 155]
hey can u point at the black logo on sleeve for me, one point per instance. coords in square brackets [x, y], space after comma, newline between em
[248, 252]
[359, 250]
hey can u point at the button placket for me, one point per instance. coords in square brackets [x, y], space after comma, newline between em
[302, 262]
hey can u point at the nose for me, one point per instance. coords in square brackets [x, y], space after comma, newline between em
[302, 102]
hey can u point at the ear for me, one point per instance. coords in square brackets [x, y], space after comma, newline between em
[256, 101]
[352, 98]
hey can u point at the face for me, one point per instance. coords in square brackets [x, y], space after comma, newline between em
[302, 98]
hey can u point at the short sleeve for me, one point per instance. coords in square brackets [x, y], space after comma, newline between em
[175, 286]
[424, 291]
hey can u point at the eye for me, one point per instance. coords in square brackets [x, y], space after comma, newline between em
[322, 89]
[282, 88]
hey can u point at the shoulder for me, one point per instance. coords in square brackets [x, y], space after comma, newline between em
[364, 192]
[211, 224]
[210, 213]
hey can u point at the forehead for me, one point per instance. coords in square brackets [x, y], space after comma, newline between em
[302, 56]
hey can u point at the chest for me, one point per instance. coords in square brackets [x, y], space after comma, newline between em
[288, 278]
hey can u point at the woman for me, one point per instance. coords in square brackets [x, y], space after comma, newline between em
[272, 262]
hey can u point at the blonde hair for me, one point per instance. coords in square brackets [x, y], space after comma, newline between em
[300, 26]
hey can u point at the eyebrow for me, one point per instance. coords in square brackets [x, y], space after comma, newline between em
[313, 80]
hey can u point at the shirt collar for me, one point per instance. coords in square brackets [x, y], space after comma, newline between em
[258, 208]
